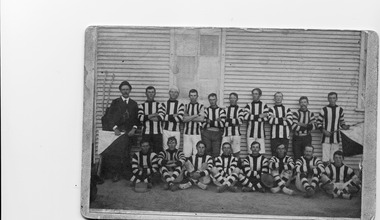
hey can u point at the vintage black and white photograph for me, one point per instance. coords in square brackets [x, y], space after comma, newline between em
[236, 122]
[189, 109]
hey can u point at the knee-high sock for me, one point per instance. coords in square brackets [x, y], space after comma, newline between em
[165, 173]
[255, 185]
[304, 181]
[314, 181]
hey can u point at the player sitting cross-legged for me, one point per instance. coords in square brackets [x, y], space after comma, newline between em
[144, 165]
[340, 180]
[171, 161]
[309, 169]
[225, 172]
[254, 166]
[197, 168]
[281, 167]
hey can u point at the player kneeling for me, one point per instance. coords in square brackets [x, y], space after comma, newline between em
[255, 165]
[281, 167]
[340, 180]
[198, 168]
[225, 173]
[309, 170]
[171, 161]
[144, 166]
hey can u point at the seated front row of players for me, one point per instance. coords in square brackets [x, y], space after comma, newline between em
[336, 179]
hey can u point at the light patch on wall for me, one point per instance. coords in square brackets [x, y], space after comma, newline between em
[186, 44]
[186, 76]
[209, 68]
[209, 45]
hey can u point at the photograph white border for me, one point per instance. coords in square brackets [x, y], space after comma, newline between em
[369, 153]
[42, 51]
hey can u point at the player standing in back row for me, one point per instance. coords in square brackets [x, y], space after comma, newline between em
[304, 122]
[193, 118]
[149, 116]
[256, 113]
[213, 124]
[234, 118]
[281, 118]
[330, 119]
[172, 115]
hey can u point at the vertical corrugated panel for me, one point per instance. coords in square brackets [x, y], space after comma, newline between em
[138, 55]
[295, 62]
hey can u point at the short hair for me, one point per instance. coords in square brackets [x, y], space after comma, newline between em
[144, 141]
[338, 152]
[255, 142]
[332, 93]
[174, 88]
[257, 89]
[199, 143]
[125, 83]
[193, 91]
[228, 143]
[303, 97]
[212, 95]
[149, 88]
[309, 146]
[235, 94]
[278, 93]
[280, 145]
[172, 138]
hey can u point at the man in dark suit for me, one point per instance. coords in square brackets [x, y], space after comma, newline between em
[123, 118]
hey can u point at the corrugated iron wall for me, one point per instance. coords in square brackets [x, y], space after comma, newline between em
[138, 55]
[296, 63]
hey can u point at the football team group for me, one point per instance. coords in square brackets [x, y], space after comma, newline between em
[212, 145]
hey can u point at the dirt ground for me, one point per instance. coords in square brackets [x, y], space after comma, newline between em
[120, 195]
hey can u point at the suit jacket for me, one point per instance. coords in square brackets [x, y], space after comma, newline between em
[123, 115]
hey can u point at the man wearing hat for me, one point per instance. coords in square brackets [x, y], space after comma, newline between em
[171, 114]
[123, 118]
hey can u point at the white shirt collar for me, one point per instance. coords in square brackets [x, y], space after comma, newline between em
[125, 99]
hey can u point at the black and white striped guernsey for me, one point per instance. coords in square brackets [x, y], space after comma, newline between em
[197, 162]
[255, 165]
[225, 164]
[304, 165]
[213, 114]
[234, 118]
[331, 118]
[147, 162]
[285, 163]
[171, 155]
[145, 109]
[305, 117]
[255, 123]
[280, 128]
[339, 174]
[192, 127]
[169, 108]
